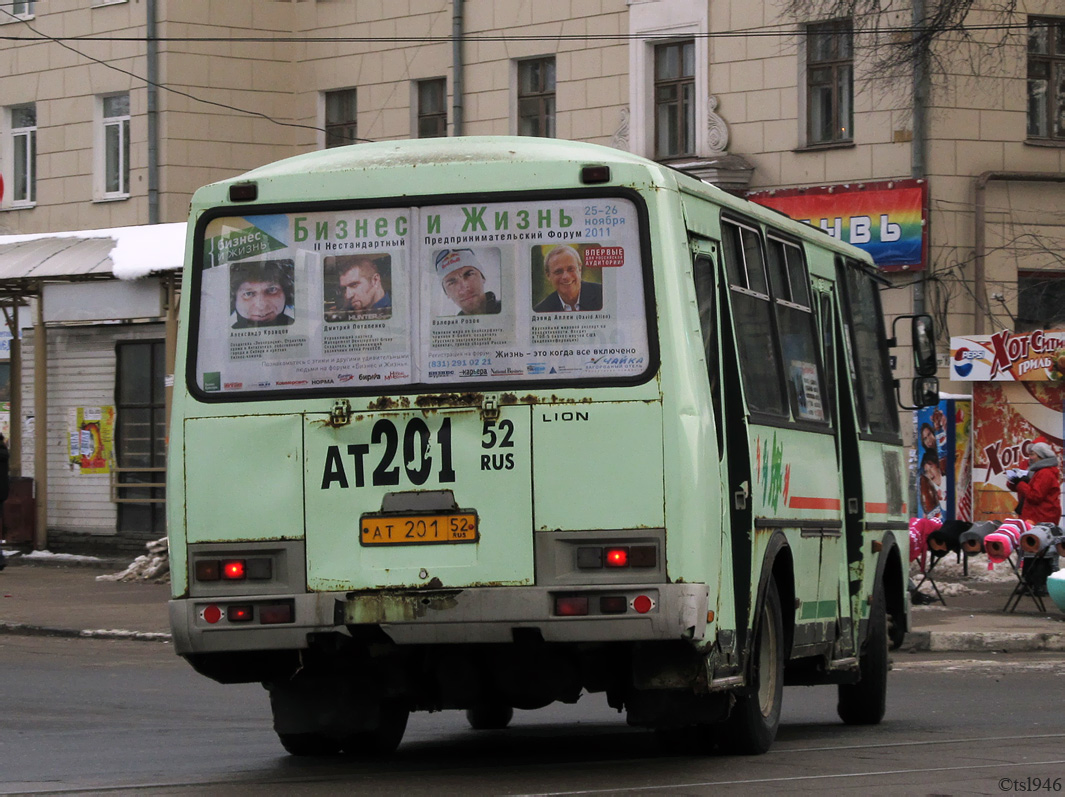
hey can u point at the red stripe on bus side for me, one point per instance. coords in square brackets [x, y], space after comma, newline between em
[810, 502]
[876, 509]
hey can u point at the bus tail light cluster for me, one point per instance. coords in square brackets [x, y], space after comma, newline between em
[597, 557]
[585, 605]
[253, 569]
[273, 613]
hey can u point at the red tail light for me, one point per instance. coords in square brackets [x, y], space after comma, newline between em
[571, 606]
[617, 557]
[233, 569]
[239, 614]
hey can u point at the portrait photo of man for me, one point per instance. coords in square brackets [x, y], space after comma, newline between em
[261, 294]
[358, 287]
[463, 280]
[563, 270]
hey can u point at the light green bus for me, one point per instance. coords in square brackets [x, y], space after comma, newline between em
[489, 423]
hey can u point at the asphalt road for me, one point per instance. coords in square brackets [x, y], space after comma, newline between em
[88, 716]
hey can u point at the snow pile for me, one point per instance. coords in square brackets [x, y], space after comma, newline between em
[949, 569]
[152, 566]
[53, 557]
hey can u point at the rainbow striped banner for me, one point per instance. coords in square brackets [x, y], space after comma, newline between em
[885, 218]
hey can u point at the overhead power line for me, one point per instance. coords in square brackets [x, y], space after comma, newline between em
[41, 36]
[494, 37]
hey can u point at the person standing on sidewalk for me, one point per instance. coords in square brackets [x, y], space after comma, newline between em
[1039, 490]
[5, 483]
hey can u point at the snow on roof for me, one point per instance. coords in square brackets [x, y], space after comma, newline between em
[135, 252]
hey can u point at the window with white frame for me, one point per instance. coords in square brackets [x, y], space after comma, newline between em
[341, 118]
[670, 100]
[829, 82]
[114, 137]
[22, 120]
[11, 10]
[1046, 78]
[536, 97]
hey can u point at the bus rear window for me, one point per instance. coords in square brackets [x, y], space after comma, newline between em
[506, 292]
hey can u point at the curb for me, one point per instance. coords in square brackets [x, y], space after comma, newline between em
[968, 641]
[17, 560]
[27, 629]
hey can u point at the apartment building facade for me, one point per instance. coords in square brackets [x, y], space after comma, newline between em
[115, 111]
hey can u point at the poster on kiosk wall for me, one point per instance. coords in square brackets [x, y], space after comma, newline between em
[944, 460]
[1018, 383]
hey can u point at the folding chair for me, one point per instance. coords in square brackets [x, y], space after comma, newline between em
[926, 575]
[1025, 584]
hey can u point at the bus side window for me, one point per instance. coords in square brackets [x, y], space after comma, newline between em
[865, 325]
[797, 328]
[752, 320]
[704, 294]
[828, 347]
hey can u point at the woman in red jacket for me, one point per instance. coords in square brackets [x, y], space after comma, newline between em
[1040, 490]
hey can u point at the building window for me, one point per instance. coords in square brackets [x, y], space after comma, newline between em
[1040, 300]
[1046, 78]
[140, 435]
[830, 82]
[23, 121]
[22, 9]
[536, 97]
[116, 145]
[341, 118]
[432, 108]
[674, 99]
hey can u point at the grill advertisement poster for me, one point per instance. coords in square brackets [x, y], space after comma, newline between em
[437, 294]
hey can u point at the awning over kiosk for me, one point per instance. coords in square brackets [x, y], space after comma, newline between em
[121, 273]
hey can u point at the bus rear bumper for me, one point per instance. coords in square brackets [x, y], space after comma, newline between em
[631, 612]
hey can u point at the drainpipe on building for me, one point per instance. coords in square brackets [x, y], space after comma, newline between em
[919, 144]
[40, 425]
[979, 239]
[456, 67]
[153, 114]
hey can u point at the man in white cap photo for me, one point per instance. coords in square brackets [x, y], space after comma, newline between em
[463, 280]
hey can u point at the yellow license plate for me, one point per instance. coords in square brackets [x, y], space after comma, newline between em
[418, 529]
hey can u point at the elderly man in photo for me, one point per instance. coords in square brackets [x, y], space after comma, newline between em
[463, 281]
[563, 267]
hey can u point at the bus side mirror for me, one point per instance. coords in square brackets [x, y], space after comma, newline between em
[924, 347]
[925, 387]
[925, 393]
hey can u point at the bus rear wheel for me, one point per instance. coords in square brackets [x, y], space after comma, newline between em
[752, 725]
[381, 740]
[489, 717]
[308, 744]
[865, 702]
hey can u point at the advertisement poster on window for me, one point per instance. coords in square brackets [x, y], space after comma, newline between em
[887, 218]
[447, 294]
[92, 434]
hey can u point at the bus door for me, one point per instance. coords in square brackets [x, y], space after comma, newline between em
[875, 499]
[844, 570]
[730, 434]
